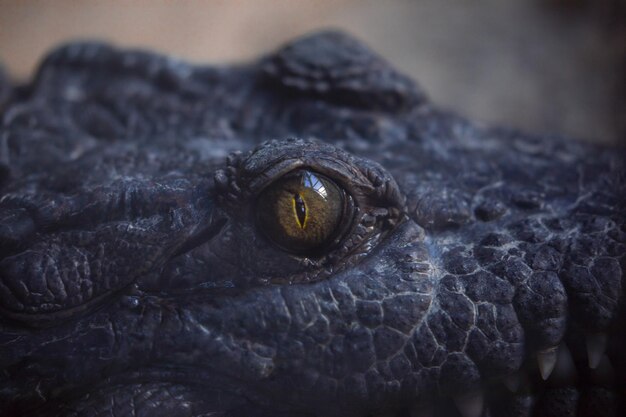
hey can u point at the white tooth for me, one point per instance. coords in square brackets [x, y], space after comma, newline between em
[422, 411]
[470, 405]
[513, 382]
[546, 359]
[596, 345]
[604, 373]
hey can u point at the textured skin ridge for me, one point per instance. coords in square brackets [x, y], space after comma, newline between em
[134, 280]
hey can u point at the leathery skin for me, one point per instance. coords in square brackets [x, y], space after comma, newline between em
[480, 272]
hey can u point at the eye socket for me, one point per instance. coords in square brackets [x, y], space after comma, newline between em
[302, 211]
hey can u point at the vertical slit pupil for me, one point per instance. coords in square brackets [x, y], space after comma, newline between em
[300, 209]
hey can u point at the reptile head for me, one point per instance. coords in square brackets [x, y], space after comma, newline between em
[378, 257]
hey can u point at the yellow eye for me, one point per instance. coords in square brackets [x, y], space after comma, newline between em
[301, 211]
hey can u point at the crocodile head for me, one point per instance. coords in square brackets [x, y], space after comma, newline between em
[306, 235]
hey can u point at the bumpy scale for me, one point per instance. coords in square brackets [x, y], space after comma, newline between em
[162, 253]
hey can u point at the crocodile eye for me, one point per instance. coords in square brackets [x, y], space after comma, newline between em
[302, 211]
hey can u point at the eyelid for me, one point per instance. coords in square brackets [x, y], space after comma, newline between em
[376, 203]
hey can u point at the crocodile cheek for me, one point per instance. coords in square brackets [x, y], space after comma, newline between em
[340, 336]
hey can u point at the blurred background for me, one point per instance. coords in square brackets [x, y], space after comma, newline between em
[555, 66]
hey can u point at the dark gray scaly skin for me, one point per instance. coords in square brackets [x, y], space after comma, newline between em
[134, 280]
